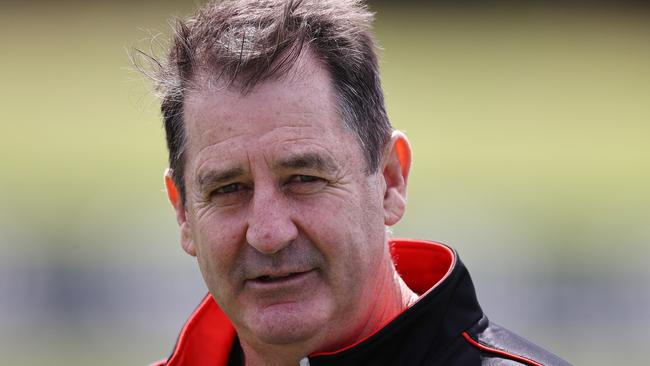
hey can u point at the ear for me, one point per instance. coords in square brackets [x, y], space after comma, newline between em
[396, 165]
[174, 198]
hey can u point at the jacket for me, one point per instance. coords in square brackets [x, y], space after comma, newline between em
[446, 326]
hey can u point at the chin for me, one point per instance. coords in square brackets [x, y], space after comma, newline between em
[286, 324]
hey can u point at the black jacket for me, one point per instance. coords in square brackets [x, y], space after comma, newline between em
[446, 326]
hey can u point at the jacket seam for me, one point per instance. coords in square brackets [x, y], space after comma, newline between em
[500, 352]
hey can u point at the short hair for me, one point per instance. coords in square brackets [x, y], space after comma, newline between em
[245, 42]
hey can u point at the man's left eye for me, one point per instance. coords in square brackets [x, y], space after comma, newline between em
[305, 184]
[304, 179]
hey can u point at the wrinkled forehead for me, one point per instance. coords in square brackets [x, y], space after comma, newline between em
[297, 105]
[304, 89]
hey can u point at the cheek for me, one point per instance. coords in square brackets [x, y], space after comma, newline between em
[215, 236]
[347, 231]
[217, 239]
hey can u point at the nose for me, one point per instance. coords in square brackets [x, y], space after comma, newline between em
[270, 226]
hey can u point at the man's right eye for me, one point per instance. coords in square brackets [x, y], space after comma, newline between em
[229, 195]
[230, 188]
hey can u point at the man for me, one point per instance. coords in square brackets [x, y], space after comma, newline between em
[284, 174]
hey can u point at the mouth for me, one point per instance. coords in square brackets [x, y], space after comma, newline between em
[280, 278]
[272, 278]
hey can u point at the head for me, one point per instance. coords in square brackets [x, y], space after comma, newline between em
[244, 43]
[284, 168]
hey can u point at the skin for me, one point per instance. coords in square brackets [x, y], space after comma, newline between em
[287, 226]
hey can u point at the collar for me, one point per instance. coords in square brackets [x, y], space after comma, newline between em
[430, 269]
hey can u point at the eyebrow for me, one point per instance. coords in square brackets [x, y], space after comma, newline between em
[308, 161]
[311, 161]
[215, 177]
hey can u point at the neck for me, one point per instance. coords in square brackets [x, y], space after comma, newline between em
[395, 298]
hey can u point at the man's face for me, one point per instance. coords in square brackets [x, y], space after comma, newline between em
[287, 226]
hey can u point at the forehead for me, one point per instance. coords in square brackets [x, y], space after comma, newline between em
[294, 111]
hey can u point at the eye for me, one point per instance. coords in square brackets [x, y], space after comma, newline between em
[305, 184]
[230, 188]
[229, 195]
[304, 179]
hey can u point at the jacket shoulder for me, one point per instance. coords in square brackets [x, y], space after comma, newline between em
[499, 346]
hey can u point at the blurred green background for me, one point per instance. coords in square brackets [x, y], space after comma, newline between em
[530, 127]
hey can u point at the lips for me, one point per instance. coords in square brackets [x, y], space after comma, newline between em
[271, 278]
[279, 278]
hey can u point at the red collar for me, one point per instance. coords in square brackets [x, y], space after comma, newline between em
[206, 338]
